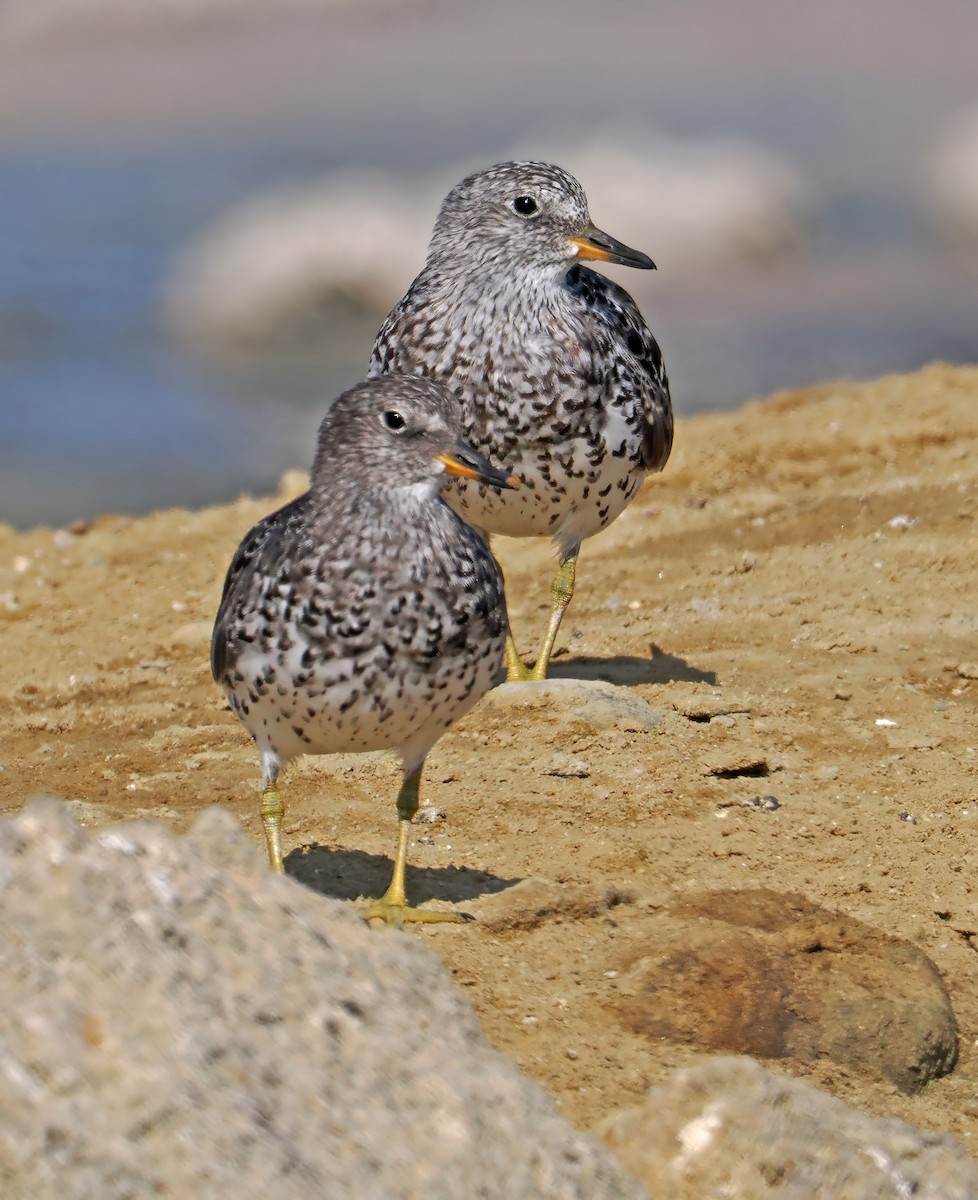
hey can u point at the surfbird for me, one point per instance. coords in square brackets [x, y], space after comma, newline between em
[365, 614]
[557, 371]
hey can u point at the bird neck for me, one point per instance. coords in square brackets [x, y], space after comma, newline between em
[345, 492]
[489, 295]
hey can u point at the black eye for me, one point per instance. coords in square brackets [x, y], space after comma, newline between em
[394, 421]
[526, 206]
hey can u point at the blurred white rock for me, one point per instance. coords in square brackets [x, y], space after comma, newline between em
[41, 15]
[355, 240]
[266, 268]
[692, 204]
[953, 178]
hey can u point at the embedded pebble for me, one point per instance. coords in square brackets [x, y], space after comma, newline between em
[735, 760]
[763, 803]
[565, 766]
[967, 670]
[429, 814]
[600, 704]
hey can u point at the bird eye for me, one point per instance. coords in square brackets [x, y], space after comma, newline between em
[526, 206]
[394, 421]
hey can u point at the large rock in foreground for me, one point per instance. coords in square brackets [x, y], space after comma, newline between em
[176, 1020]
[730, 1128]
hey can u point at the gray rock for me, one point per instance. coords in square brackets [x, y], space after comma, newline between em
[728, 1127]
[591, 701]
[177, 1020]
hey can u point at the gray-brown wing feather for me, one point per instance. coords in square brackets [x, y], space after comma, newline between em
[258, 553]
[613, 308]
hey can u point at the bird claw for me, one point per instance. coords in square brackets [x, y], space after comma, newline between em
[399, 913]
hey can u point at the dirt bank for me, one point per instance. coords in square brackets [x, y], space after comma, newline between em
[796, 598]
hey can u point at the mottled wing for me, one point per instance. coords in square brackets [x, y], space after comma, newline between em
[255, 560]
[404, 325]
[618, 313]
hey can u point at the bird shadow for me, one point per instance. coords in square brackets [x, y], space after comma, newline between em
[627, 670]
[351, 874]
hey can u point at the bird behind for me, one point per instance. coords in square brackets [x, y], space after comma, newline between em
[555, 368]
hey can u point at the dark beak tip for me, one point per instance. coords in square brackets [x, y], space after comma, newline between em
[618, 252]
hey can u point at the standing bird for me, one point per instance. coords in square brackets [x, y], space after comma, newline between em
[556, 369]
[365, 615]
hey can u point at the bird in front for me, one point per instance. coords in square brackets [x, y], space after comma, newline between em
[365, 614]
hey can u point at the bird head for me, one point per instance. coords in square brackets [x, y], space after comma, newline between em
[398, 432]
[522, 217]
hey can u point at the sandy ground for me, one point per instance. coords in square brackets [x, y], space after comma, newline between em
[805, 572]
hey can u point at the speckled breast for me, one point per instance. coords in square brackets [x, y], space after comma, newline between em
[579, 461]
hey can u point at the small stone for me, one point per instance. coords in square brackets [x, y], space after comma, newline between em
[700, 706]
[908, 817]
[724, 719]
[428, 814]
[763, 803]
[843, 693]
[967, 670]
[599, 704]
[732, 761]
[565, 766]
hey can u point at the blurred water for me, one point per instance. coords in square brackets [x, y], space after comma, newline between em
[99, 410]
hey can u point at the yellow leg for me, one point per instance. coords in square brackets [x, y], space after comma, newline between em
[562, 589]
[393, 908]
[272, 810]
[516, 670]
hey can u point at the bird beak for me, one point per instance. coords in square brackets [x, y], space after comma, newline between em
[469, 465]
[594, 244]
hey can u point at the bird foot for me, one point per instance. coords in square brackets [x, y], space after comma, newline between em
[518, 672]
[399, 913]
